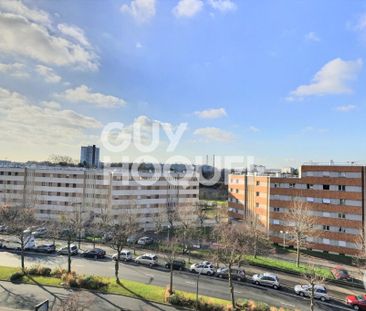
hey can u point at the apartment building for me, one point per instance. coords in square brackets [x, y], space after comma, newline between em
[335, 195]
[53, 191]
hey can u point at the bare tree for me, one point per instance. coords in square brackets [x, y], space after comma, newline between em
[187, 220]
[258, 237]
[313, 279]
[171, 248]
[301, 225]
[18, 218]
[61, 160]
[120, 229]
[232, 244]
[201, 214]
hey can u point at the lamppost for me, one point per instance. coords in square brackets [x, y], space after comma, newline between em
[284, 237]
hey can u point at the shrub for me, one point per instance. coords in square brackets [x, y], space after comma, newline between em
[16, 277]
[38, 271]
[58, 272]
[70, 280]
[44, 271]
[182, 301]
[92, 282]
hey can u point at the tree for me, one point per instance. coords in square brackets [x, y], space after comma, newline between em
[313, 279]
[61, 160]
[171, 248]
[120, 229]
[259, 242]
[232, 244]
[18, 218]
[201, 214]
[301, 225]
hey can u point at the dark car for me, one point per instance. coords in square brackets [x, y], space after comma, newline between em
[96, 253]
[46, 248]
[236, 273]
[340, 273]
[177, 265]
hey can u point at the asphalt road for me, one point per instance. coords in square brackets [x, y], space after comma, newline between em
[186, 281]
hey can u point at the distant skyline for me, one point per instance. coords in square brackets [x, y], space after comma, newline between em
[281, 81]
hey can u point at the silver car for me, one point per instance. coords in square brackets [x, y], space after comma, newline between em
[320, 291]
[266, 279]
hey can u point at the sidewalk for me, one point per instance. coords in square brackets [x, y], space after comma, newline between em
[25, 297]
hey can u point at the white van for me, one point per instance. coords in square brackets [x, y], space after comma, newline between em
[126, 255]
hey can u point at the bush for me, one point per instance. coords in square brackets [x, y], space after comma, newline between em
[92, 282]
[70, 280]
[16, 277]
[182, 301]
[38, 271]
[58, 272]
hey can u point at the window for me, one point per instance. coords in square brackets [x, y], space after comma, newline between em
[326, 201]
[310, 199]
[326, 228]
[258, 183]
[231, 189]
[342, 174]
[275, 185]
[276, 209]
[58, 194]
[257, 194]
[58, 184]
[341, 215]
[292, 185]
[74, 185]
[326, 187]
[309, 186]
[342, 188]
[256, 204]
[237, 190]
[341, 230]
[342, 202]
[276, 222]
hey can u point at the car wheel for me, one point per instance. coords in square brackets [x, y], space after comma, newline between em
[301, 294]
[256, 283]
[275, 287]
[137, 262]
[239, 279]
[194, 271]
[180, 268]
[95, 257]
[355, 307]
[322, 299]
[151, 265]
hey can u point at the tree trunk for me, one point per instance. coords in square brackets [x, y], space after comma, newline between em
[22, 252]
[171, 278]
[231, 286]
[255, 245]
[312, 297]
[116, 265]
[93, 242]
[298, 253]
[68, 256]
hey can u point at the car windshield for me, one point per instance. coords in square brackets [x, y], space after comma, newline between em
[360, 298]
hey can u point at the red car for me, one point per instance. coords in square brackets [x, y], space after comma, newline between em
[357, 302]
[340, 273]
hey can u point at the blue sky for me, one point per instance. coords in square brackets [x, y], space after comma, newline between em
[282, 81]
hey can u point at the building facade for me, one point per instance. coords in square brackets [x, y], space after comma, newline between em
[334, 194]
[89, 155]
[54, 191]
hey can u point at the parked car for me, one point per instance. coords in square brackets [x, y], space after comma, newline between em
[266, 279]
[177, 265]
[356, 302]
[46, 248]
[236, 273]
[3, 228]
[340, 273]
[39, 232]
[145, 241]
[147, 259]
[202, 268]
[132, 239]
[96, 253]
[320, 291]
[64, 250]
[125, 255]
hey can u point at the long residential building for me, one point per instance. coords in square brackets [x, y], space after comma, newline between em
[334, 194]
[54, 191]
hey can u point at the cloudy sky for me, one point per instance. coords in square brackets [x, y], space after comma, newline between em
[283, 81]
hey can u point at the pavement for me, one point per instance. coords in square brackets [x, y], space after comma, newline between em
[26, 297]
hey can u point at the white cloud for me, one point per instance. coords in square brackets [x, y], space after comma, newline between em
[188, 8]
[211, 113]
[17, 7]
[74, 32]
[312, 129]
[48, 73]
[17, 70]
[346, 108]
[312, 36]
[141, 10]
[51, 104]
[214, 134]
[83, 93]
[332, 78]
[222, 5]
[24, 122]
[28, 33]
[254, 129]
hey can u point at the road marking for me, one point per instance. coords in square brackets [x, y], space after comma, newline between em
[236, 292]
[190, 283]
[287, 304]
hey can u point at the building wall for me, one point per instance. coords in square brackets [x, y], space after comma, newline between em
[335, 196]
[54, 191]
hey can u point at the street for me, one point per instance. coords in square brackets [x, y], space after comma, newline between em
[186, 281]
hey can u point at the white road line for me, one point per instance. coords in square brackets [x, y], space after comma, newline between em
[287, 304]
[236, 292]
[190, 283]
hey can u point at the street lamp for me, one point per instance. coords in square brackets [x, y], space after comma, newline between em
[284, 237]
